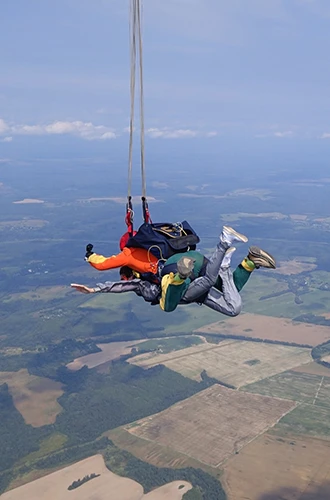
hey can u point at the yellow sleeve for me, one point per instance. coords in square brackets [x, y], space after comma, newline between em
[167, 281]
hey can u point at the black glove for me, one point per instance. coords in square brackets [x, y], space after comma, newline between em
[89, 250]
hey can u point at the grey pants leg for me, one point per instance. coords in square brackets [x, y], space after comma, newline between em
[228, 302]
[202, 285]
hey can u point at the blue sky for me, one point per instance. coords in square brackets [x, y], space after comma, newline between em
[214, 69]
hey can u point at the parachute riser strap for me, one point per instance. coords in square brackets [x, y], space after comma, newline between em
[136, 55]
[132, 33]
[129, 216]
[139, 47]
[145, 211]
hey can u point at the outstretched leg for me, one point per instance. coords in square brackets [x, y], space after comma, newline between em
[255, 259]
[203, 284]
[228, 301]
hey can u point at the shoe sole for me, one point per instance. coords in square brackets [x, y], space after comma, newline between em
[239, 236]
[259, 253]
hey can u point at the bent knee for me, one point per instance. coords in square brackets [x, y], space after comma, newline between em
[235, 309]
[235, 312]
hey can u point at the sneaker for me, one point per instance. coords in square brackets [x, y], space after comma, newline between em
[261, 258]
[227, 258]
[229, 236]
[185, 267]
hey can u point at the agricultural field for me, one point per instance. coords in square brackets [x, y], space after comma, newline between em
[55, 485]
[175, 358]
[116, 349]
[109, 352]
[232, 362]
[302, 387]
[294, 466]
[151, 452]
[256, 326]
[263, 294]
[313, 368]
[213, 424]
[34, 397]
[306, 419]
[168, 344]
[295, 266]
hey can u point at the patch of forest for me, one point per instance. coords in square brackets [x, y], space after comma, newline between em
[17, 439]
[80, 482]
[125, 394]
[319, 352]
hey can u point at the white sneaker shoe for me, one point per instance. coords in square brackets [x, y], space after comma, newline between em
[229, 236]
[227, 258]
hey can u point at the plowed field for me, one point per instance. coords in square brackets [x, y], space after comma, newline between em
[213, 424]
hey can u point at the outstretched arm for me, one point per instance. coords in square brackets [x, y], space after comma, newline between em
[149, 291]
[110, 287]
[139, 259]
[104, 263]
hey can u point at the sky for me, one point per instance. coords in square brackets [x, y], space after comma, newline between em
[218, 70]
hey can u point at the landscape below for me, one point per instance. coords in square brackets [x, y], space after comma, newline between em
[205, 406]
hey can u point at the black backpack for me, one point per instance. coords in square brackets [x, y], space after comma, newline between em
[165, 239]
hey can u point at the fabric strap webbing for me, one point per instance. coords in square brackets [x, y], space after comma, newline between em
[136, 49]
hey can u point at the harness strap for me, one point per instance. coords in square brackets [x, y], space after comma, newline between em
[145, 211]
[129, 216]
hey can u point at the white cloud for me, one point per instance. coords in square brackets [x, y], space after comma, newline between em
[326, 135]
[168, 133]
[89, 131]
[3, 126]
[287, 133]
[85, 130]
[159, 185]
[108, 135]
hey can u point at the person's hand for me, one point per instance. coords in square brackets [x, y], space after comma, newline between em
[89, 250]
[82, 288]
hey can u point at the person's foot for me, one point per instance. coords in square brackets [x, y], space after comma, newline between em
[227, 258]
[261, 258]
[185, 267]
[229, 236]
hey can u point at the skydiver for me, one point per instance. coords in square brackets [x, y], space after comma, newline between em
[186, 278]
